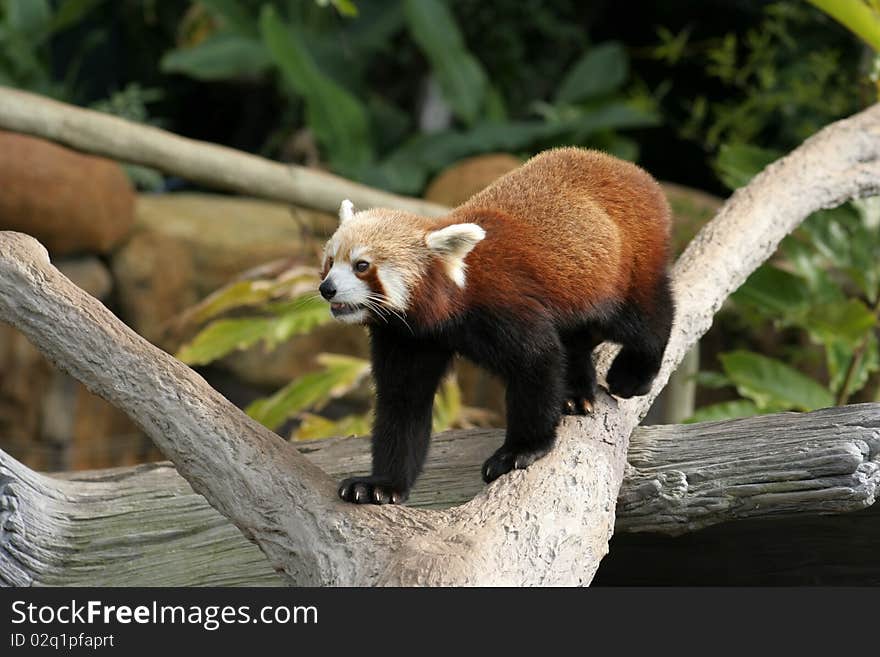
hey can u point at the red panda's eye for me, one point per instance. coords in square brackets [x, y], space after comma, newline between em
[329, 262]
[361, 266]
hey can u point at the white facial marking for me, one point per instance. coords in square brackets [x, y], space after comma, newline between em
[359, 253]
[357, 317]
[346, 211]
[349, 288]
[453, 243]
[395, 287]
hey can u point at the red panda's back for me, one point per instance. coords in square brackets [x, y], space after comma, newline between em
[574, 228]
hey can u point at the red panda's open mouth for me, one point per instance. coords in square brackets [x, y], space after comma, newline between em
[344, 308]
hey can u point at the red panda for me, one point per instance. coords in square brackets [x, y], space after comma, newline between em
[526, 278]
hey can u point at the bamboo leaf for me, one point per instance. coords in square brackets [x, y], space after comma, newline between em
[338, 376]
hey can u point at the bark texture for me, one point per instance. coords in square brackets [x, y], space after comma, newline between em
[144, 526]
[549, 524]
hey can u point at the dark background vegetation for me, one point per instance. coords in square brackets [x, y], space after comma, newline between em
[525, 48]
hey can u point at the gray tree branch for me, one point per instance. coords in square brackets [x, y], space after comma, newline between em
[144, 525]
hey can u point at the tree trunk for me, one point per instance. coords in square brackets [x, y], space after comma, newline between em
[144, 526]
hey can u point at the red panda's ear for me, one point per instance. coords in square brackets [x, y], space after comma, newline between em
[456, 240]
[346, 211]
[452, 244]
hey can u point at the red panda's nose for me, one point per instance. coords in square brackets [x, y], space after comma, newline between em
[327, 289]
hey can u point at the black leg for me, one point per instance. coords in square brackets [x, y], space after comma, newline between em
[534, 401]
[407, 372]
[643, 335]
[580, 375]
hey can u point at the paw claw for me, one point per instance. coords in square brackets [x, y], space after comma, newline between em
[505, 459]
[577, 406]
[370, 490]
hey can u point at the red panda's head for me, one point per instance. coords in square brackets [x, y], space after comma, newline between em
[376, 260]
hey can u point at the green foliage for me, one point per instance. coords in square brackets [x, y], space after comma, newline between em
[775, 83]
[314, 427]
[772, 385]
[461, 77]
[224, 336]
[825, 285]
[602, 70]
[27, 28]
[338, 119]
[862, 17]
[338, 376]
[285, 310]
[364, 133]
[725, 411]
[220, 56]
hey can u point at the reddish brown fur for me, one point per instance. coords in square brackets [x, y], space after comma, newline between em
[571, 231]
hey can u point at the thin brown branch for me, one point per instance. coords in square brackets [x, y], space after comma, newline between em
[209, 164]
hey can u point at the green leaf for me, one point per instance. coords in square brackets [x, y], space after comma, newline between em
[830, 234]
[807, 263]
[29, 18]
[714, 380]
[338, 119]
[772, 384]
[774, 292]
[460, 75]
[223, 337]
[839, 355]
[841, 236]
[235, 15]
[600, 71]
[345, 7]
[844, 321]
[294, 282]
[724, 411]
[611, 116]
[737, 164]
[220, 57]
[314, 427]
[301, 317]
[858, 16]
[338, 376]
[71, 12]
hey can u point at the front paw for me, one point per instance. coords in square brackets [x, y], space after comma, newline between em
[371, 490]
[628, 378]
[506, 459]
